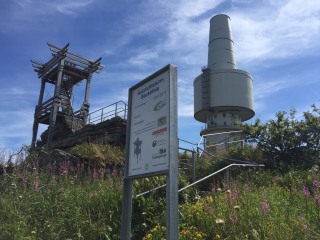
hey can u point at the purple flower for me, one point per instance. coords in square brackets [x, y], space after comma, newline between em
[276, 178]
[306, 191]
[315, 183]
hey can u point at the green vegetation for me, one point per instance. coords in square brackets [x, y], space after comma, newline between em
[83, 201]
[287, 143]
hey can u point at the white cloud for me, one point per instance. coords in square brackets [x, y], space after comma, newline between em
[266, 88]
[277, 30]
[70, 7]
[143, 58]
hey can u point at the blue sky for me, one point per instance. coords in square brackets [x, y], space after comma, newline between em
[276, 41]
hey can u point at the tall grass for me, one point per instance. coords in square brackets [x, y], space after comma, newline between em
[256, 205]
[81, 204]
[43, 206]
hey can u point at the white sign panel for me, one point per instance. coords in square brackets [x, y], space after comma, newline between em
[149, 132]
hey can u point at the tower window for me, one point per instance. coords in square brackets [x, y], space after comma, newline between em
[224, 124]
[224, 115]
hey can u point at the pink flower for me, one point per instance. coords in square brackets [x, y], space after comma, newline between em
[233, 195]
[95, 174]
[304, 226]
[63, 169]
[276, 178]
[306, 191]
[114, 172]
[265, 206]
[315, 183]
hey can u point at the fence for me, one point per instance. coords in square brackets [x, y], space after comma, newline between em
[117, 109]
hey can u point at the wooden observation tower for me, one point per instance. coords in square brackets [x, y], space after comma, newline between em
[64, 71]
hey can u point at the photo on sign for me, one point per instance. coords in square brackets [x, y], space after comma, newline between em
[162, 121]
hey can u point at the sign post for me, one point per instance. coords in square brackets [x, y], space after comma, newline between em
[152, 143]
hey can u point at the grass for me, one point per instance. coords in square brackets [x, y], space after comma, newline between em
[39, 204]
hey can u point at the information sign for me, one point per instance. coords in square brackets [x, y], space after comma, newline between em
[149, 125]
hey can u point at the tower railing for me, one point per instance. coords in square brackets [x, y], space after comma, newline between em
[117, 109]
[226, 141]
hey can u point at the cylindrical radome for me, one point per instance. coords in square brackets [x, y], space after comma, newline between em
[223, 94]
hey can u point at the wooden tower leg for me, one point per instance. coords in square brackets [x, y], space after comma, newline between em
[52, 123]
[85, 110]
[34, 133]
[54, 111]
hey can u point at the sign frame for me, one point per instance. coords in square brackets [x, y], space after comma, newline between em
[171, 173]
[172, 119]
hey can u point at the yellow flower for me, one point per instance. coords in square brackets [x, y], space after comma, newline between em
[217, 236]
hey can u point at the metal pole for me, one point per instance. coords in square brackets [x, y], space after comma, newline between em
[172, 232]
[125, 111]
[193, 168]
[126, 213]
[116, 111]
[227, 178]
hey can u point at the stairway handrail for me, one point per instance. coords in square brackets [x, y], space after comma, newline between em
[222, 169]
[204, 178]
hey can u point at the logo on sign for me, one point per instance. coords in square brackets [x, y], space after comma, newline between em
[159, 106]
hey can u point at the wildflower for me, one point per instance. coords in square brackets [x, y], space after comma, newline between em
[233, 195]
[219, 221]
[304, 226]
[265, 206]
[315, 183]
[237, 207]
[95, 174]
[276, 178]
[114, 172]
[219, 189]
[229, 191]
[144, 225]
[306, 191]
[63, 169]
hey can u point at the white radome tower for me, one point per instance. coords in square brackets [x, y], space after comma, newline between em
[223, 94]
